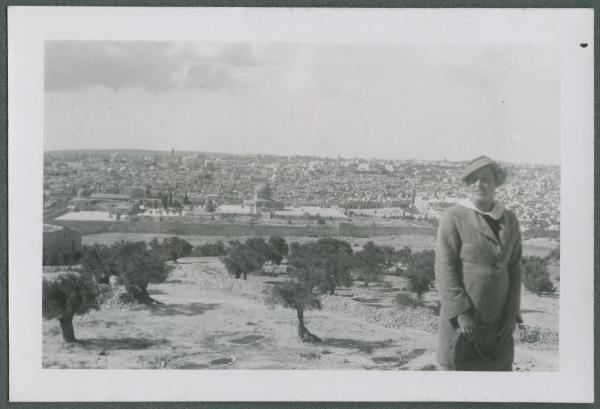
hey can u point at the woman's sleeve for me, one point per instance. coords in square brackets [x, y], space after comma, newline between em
[513, 304]
[447, 268]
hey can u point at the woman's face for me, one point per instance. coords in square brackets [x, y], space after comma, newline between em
[482, 185]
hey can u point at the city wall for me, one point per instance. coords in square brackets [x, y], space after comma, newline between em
[228, 229]
[353, 230]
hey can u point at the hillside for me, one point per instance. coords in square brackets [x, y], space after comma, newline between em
[211, 321]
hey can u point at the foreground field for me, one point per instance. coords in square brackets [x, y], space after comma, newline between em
[210, 321]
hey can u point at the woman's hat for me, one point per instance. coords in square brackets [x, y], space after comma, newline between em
[482, 162]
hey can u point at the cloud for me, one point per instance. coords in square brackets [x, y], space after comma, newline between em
[168, 66]
[71, 65]
[155, 66]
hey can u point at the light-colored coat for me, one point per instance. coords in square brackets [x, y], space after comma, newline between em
[476, 272]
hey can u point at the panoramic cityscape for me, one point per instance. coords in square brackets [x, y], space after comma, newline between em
[126, 184]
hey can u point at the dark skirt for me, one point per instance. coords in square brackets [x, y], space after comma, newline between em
[483, 352]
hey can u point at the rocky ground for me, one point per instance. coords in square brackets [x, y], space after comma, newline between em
[209, 320]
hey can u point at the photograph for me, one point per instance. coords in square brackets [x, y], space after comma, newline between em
[274, 195]
[264, 200]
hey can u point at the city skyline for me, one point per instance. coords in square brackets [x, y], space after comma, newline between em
[384, 101]
[258, 154]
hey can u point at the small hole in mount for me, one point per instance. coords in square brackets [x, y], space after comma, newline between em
[583, 45]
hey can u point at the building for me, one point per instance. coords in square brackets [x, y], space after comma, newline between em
[61, 245]
[271, 268]
[262, 201]
[112, 197]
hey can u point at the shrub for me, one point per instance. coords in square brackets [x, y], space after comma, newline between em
[418, 283]
[553, 255]
[535, 276]
[553, 263]
[529, 335]
[389, 253]
[52, 259]
[404, 255]
[66, 296]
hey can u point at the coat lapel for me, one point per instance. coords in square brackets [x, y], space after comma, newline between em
[476, 221]
[504, 237]
[503, 233]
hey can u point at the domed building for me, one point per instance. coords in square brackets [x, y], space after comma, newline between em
[262, 191]
[262, 200]
[82, 201]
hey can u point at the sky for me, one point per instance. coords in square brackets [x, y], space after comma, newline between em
[388, 101]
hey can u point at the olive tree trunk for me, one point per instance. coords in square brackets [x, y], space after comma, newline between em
[141, 295]
[66, 326]
[304, 334]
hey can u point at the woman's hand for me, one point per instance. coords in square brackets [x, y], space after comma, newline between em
[507, 329]
[466, 324]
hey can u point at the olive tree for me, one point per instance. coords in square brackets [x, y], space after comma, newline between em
[315, 267]
[242, 259]
[280, 247]
[301, 291]
[68, 295]
[264, 250]
[98, 261]
[371, 262]
[420, 272]
[137, 266]
[175, 247]
[216, 249]
[334, 259]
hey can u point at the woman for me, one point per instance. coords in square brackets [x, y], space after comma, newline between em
[478, 269]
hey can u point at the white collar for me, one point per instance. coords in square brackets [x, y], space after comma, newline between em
[496, 212]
